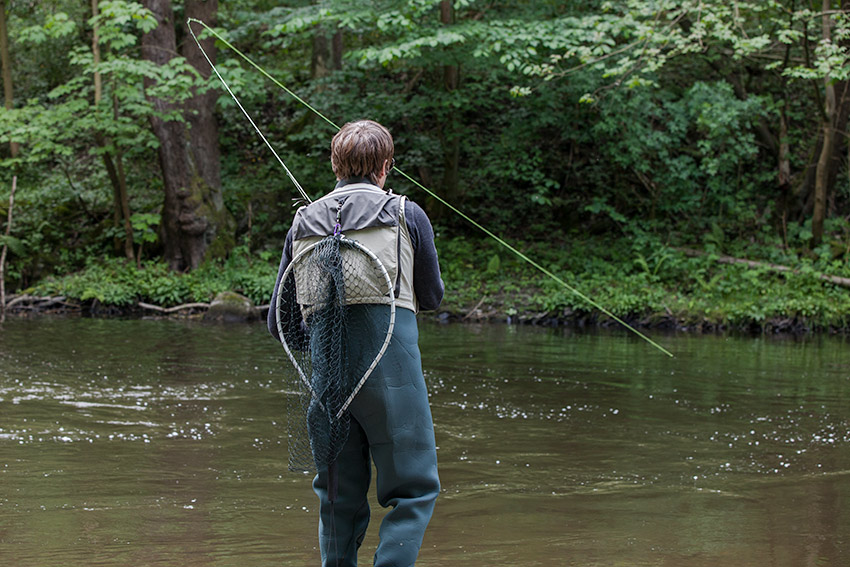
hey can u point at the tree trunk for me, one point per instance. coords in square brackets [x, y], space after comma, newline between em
[203, 131]
[337, 50]
[839, 123]
[6, 62]
[783, 202]
[826, 153]
[804, 193]
[842, 115]
[822, 176]
[123, 197]
[100, 139]
[319, 62]
[784, 151]
[3, 253]
[95, 50]
[204, 150]
[451, 136]
[121, 214]
[450, 72]
[182, 235]
[194, 221]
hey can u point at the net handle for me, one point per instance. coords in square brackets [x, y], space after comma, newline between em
[281, 335]
[390, 328]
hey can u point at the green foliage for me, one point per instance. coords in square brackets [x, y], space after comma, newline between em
[598, 136]
[630, 41]
[55, 26]
[144, 225]
[65, 198]
[117, 282]
[641, 279]
[64, 121]
[14, 245]
[689, 155]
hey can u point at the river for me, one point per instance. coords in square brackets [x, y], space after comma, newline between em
[162, 443]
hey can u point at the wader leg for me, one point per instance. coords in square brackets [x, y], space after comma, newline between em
[394, 412]
[341, 534]
[407, 480]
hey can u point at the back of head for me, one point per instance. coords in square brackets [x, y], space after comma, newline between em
[360, 149]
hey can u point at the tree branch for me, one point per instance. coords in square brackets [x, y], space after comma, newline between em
[837, 280]
[173, 309]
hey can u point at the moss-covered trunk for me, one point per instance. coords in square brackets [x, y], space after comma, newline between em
[195, 223]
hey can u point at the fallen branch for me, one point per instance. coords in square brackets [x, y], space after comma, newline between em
[37, 303]
[28, 299]
[19, 299]
[174, 309]
[60, 299]
[837, 280]
[474, 309]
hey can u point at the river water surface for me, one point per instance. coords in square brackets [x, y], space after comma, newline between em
[162, 443]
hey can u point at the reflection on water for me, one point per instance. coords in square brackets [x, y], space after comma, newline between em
[126, 443]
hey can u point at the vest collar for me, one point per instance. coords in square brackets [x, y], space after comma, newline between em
[359, 183]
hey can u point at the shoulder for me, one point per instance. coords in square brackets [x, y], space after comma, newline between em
[414, 214]
[418, 224]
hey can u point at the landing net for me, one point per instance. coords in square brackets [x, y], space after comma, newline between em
[335, 314]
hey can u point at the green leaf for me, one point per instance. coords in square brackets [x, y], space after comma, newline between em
[15, 245]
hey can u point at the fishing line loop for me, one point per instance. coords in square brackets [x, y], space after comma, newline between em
[451, 207]
[242, 108]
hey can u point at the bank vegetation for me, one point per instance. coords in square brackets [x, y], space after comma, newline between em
[683, 163]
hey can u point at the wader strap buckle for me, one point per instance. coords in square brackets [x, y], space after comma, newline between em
[338, 226]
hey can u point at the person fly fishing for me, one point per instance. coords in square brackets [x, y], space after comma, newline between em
[388, 419]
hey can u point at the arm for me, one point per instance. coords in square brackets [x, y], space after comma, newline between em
[427, 283]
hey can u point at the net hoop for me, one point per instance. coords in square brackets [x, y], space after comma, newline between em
[303, 255]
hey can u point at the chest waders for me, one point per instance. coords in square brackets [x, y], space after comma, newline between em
[357, 366]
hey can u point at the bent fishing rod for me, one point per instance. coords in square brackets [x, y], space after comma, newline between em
[590, 301]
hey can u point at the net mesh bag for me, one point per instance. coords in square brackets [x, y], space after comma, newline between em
[335, 312]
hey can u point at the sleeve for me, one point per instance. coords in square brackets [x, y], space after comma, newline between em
[285, 259]
[427, 283]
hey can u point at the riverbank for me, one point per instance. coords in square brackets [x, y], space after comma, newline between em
[646, 285]
[487, 310]
[481, 312]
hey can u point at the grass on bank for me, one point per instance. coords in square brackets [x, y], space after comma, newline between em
[644, 282]
[116, 282]
[648, 283]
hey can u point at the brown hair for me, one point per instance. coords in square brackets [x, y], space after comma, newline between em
[360, 149]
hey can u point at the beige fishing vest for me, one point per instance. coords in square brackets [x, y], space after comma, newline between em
[372, 217]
